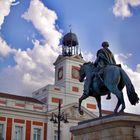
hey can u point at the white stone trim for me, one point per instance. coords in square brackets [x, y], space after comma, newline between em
[39, 127]
[13, 129]
[4, 125]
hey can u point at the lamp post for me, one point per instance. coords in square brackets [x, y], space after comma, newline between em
[57, 118]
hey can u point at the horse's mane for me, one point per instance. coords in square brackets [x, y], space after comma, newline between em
[88, 63]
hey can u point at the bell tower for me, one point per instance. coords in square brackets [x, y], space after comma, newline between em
[67, 87]
[67, 64]
[70, 45]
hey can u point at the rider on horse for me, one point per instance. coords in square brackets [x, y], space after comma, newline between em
[104, 57]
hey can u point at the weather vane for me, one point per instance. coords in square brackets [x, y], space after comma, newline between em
[70, 26]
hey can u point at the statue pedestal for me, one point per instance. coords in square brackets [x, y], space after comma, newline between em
[113, 127]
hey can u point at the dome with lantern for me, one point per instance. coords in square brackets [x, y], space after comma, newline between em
[70, 44]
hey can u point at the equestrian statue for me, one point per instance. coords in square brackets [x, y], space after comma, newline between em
[104, 77]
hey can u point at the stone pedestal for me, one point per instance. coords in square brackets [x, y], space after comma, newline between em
[113, 127]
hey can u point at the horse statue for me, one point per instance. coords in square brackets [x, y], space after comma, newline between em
[111, 78]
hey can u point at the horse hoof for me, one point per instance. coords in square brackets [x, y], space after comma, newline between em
[121, 111]
[81, 112]
[115, 112]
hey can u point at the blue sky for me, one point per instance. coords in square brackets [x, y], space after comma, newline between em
[92, 21]
[31, 32]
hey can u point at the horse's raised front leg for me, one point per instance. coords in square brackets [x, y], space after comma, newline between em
[80, 101]
[98, 99]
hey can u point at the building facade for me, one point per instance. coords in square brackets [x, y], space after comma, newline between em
[26, 118]
[22, 118]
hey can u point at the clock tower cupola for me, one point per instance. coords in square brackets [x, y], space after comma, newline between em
[67, 63]
[70, 44]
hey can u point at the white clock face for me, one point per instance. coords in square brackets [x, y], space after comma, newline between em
[60, 73]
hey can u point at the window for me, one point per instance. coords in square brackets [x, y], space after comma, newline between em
[56, 135]
[18, 133]
[37, 134]
[1, 132]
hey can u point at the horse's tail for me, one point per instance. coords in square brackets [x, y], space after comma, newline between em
[132, 95]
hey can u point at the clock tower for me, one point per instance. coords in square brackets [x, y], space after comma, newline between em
[67, 87]
[68, 63]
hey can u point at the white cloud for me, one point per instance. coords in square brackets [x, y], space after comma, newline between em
[138, 68]
[121, 7]
[37, 63]
[4, 9]
[135, 78]
[34, 67]
[122, 58]
[134, 2]
[15, 3]
[88, 56]
[4, 48]
[44, 20]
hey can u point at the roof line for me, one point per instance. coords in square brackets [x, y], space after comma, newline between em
[19, 97]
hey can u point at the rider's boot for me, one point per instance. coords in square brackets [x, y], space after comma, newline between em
[108, 96]
[86, 94]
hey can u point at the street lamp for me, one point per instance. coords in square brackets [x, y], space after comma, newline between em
[57, 118]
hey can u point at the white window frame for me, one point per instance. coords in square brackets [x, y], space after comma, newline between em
[23, 131]
[38, 127]
[4, 130]
[57, 134]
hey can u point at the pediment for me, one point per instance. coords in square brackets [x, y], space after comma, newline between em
[77, 57]
[74, 58]
[72, 112]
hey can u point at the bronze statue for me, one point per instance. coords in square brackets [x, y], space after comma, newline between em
[104, 77]
[104, 57]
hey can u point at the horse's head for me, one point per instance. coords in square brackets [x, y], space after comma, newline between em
[81, 73]
[85, 69]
